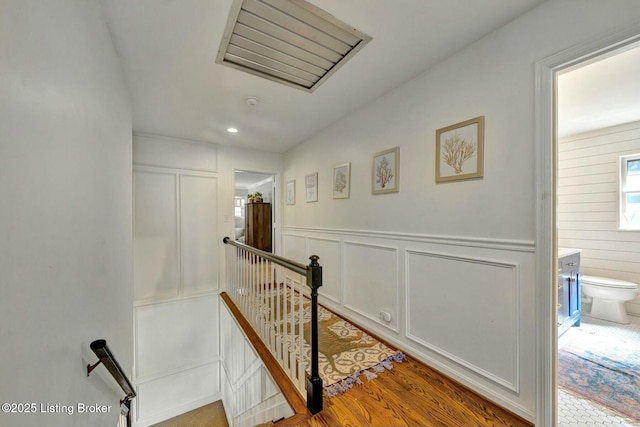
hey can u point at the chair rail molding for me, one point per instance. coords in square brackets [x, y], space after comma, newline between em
[480, 242]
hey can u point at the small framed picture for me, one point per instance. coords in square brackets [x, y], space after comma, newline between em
[311, 187]
[341, 181]
[290, 191]
[460, 151]
[385, 171]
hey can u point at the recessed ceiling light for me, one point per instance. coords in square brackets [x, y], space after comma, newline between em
[232, 130]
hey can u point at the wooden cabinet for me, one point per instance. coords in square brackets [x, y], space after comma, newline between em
[569, 310]
[258, 226]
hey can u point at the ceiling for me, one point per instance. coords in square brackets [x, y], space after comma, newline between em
[245, 179]
[601, 94]
[168, 50]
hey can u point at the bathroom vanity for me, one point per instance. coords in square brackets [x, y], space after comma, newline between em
[569, 311]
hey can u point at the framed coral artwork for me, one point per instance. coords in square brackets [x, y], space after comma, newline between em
[460, 151]
[385, 171]
[341, 181]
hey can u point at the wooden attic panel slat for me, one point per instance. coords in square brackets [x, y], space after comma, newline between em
[276, 55]
[266, 40]
[295, 26]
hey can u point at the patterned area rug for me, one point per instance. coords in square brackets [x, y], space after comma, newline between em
[603, 370]
[345, 351]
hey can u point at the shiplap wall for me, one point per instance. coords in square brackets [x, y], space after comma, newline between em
[588, 203]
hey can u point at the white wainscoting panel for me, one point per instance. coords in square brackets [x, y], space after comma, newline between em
[456, 302]
[466, 309]
[199, 233]
[175, 335]
[155, 242]
[295, 248]
[171, 395]
[371, 281]
[330, 262]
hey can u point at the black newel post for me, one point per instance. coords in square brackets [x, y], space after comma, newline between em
[314, 382]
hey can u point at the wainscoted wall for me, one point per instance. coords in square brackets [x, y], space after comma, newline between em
[176, 357]
[454, 303]
[250, 396]
[588, 203]
[176, 273]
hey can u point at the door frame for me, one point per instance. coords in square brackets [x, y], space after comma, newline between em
[276, 206]
[546, 72]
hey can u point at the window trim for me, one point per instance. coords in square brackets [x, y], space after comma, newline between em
[623, 223]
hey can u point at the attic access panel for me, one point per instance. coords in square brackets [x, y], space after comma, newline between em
[288, 41]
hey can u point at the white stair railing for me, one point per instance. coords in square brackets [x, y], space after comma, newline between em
[279, 298]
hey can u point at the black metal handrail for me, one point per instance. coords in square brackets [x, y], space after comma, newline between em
[313, 275]
[106, 357]
[285, 262]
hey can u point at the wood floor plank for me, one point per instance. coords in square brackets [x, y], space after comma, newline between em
[410, 395]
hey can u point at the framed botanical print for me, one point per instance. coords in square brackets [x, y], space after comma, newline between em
[460, 151]
[311, 187]
[341, 181]
[290, 192]
[385, 171]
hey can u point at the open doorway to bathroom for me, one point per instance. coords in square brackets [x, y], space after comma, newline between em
[598, 240]
[255, 222]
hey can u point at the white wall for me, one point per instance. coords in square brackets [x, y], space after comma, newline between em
[588, 196]
[65, 220]
[176, 258]
[183, 207]
[467, 246]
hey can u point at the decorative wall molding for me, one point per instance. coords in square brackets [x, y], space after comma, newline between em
[332, 282]
[487, 243]
[167, 152]
[187, 208]
[171, 395]
[390, 283]
[200, 315]
[499, 257]
[512, 384]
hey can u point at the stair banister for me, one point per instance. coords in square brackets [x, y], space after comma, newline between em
[313, 278]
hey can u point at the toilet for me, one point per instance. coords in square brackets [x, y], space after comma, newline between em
[609, 296]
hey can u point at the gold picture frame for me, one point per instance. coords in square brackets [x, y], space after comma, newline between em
[311, 187]
[290, 191]
[341, 180]
[385, 171]
[460, 151]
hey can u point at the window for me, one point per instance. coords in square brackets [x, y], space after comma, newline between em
[239, 207]
[630, 192]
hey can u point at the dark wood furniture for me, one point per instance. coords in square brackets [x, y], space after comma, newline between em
[258, 226]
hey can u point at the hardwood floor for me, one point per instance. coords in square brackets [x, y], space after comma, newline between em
[211, 415]
[411, 394]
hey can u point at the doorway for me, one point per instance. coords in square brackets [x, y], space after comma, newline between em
[598, 124]
[548, 73]
[250, 183]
